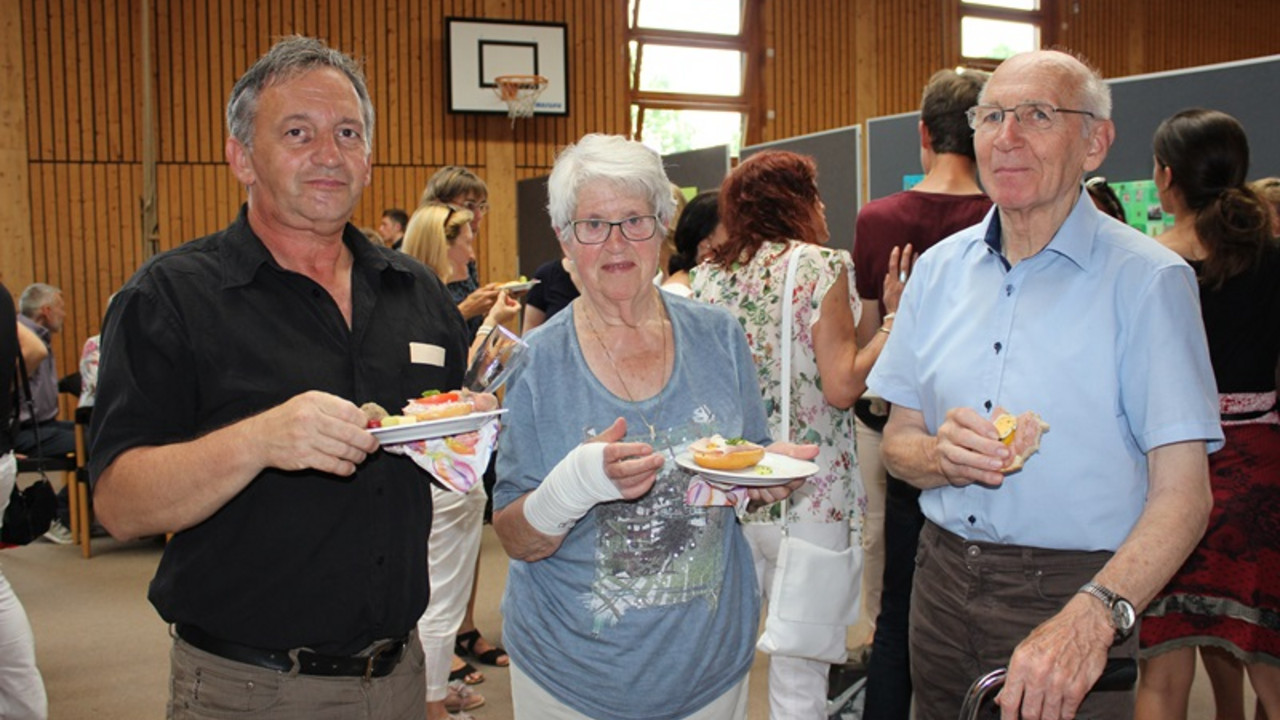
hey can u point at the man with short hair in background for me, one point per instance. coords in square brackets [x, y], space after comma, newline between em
[1047, 306]
[42, 310]
[391, 227]
[948, 199]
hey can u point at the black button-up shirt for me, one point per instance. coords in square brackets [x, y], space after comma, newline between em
[215, 331]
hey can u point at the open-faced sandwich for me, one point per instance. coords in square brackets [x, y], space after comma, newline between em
[432, 405]
[1021, 433]
[717, 453]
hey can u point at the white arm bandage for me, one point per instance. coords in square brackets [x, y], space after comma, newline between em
[574, 486]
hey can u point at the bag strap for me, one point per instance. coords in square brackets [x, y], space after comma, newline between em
[788, 292]
[25, 397]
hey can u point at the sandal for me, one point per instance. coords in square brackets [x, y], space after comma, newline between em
[462, 698]
[465, 645]
[467, 673]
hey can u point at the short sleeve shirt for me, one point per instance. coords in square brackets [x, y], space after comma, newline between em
[640, 591]
[1099, 333]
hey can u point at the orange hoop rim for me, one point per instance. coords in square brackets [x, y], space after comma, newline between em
[509, 86]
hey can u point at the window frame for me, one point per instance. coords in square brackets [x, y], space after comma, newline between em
[960, 10]
[746, 102]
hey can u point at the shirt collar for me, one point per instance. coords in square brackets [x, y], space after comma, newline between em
[1074, 238]
[243, 253]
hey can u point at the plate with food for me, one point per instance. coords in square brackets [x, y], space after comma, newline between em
[515, 287]
[433, 415]
[738, 462]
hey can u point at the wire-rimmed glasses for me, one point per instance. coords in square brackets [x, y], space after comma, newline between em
[594, 231]
[1030, 115]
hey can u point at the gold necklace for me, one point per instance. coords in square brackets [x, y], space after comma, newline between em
[653, 431]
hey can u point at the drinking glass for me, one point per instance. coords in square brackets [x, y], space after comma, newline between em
[494, 362]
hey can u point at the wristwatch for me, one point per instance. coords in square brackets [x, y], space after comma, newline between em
[1123, 616]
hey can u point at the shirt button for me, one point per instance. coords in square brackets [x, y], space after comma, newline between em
[987, 404]
[998, 346]
[1008, 290]
[380, 561]
[972, 520]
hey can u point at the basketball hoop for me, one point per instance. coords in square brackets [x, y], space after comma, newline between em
[520, 93]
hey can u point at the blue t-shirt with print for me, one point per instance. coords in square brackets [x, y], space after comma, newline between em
[649, 608]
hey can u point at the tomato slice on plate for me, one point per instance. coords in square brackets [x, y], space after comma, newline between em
[438, 398]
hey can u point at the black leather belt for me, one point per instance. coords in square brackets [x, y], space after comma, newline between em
[379, 663]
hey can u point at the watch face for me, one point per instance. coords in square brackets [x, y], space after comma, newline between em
[1123, 615]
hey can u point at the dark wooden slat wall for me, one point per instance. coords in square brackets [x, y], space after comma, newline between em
[833, 63]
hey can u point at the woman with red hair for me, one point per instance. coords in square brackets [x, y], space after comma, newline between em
[771, 210]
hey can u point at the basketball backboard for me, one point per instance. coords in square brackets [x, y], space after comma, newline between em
[477, 51]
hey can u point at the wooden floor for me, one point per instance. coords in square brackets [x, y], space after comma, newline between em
[104, 651]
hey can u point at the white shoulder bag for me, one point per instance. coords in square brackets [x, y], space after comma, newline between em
[814, 597]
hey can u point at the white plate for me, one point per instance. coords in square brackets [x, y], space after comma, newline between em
[515, 287]
[785, 469]
[429, 429]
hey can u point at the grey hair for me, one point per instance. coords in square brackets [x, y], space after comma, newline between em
[289, 57]
[35, 297]
[1092, 92]
[624, 164]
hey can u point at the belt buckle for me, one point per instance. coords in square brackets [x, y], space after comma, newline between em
[373, 657]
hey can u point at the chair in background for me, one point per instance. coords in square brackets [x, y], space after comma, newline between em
[78, 492]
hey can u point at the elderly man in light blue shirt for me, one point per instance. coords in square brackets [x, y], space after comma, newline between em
[1045, 306]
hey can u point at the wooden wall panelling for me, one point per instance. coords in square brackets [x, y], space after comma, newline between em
[16, 143]
[57, 62]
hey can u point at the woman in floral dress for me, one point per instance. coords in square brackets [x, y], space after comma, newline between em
[770, 208]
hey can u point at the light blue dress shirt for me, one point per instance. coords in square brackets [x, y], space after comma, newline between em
[1099, 333]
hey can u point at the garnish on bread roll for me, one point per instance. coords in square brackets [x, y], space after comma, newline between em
[1021, 433]
[716, 453]
[435, 405]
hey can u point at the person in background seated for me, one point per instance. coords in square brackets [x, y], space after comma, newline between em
[295, 578]
[627, 596]
[1044, 568]
[889, 229]
[1220, 599]
[42, 434]
[22, 694]
[392, 226]
[697, 231]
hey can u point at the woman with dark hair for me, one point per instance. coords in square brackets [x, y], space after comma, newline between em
[770, 210]
[1104, 197]
[1226, 596]
[697, 230]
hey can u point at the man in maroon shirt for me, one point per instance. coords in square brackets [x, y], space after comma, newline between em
[947, 200]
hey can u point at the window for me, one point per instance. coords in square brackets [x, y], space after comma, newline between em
[672, 108]
[992, 30]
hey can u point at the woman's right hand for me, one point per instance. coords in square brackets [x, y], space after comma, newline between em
[895, 280]
[631, 466]
[504, 309]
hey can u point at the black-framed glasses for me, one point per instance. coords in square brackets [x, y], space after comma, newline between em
[1030, 115]
[594, 231]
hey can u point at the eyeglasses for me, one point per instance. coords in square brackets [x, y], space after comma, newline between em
[636, 229]
[477, 208]
[1031, 116]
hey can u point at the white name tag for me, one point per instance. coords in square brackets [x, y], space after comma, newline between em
[426, 354]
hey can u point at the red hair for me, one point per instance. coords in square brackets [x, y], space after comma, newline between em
[772, 195]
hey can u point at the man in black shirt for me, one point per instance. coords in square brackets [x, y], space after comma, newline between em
[227, 414]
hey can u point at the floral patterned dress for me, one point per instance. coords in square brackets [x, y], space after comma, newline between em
[752, 291]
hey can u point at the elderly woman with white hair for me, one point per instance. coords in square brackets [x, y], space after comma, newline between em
[625, 596]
